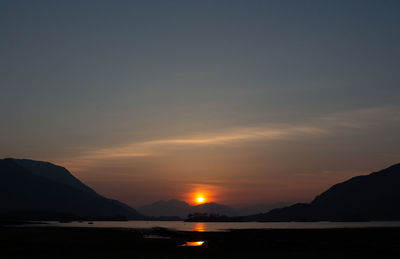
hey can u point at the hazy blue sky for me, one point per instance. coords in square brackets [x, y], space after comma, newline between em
[248, 101]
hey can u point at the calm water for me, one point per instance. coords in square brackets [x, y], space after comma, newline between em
[224, 226]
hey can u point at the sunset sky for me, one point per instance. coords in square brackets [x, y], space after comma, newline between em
[243, 101]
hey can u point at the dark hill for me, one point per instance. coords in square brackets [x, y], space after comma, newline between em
[39, 190]
[370, 197]
[52, 172]
[168, 208]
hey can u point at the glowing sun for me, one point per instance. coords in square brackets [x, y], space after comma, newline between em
[200, 199]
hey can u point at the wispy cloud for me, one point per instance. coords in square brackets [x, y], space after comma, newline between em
[229, 136]
[361, 117]
[317, 126]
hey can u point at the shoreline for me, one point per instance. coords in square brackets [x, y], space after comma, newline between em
[75, 242]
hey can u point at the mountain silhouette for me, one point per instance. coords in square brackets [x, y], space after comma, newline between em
[369, 197]
[169, 208]
[213, 208]
[41, 190]
[181, 209]
[259, 208]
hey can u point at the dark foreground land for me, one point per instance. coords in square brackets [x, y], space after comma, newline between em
[50, 242]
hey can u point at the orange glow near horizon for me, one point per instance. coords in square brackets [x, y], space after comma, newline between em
[199, 198]
[198, 194]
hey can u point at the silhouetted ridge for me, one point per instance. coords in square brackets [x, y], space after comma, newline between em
[166, 208]
[52, 172]
[369, 197]
[213, 208]
[37, 188]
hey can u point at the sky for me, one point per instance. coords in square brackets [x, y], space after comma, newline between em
[246, 102]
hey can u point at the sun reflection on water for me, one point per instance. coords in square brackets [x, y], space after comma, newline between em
[196, 243]
[199, 227]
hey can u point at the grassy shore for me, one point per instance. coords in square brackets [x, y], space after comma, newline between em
[51, 242]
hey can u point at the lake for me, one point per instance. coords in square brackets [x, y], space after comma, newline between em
[221, 226]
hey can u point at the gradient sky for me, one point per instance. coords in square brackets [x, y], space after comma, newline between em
[247, 101]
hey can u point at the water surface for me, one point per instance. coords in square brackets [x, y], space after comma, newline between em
[222, 226]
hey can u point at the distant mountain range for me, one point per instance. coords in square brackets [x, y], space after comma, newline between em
[41, 190]
[370, 197]
[181, 209]
[38, 190]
